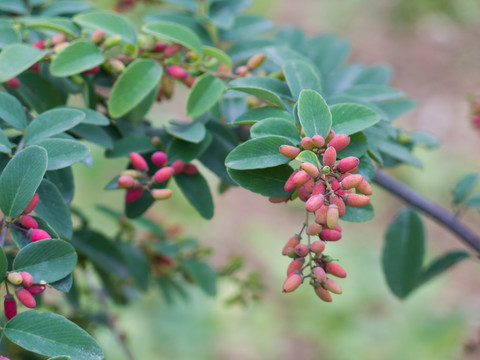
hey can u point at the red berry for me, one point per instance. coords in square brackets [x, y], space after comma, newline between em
[330, 235]
[26, 298]
[138, 161]
[314, 229]
[332, 286]
[292, 282]
[133, 195]
[318, 189]
[289, 151]
[319, 274]
[323, 293]
[125, 182]
[329, 156]
[301, 250]
[364, 188]
[13, 83]
[159, 158]
[28, 222]
[340, 205]
[303, 193]
[351, 181]
[97, 36]
[289, 184]
[177, 72]
[36, 289]
[347, 164]
[40, 234]
[178, 166]
[94, 70]
[159, 47]
[314, 203]
[291, 243]
[321, 214]
[190, 169]
[317, 247]
[340, 142]
[163, 174]
[330, 136]
[301, 178]
[318, 141]
[307, 143]
[311, 169]
[40, 44]
[357, 199]
[27, 279]
[35, 67]
[295, 264]
[10, 309]
[332, 216]
[335, 270]
[58, 38]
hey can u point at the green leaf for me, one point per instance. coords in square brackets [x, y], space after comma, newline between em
[441, 264]
[258, 153]
[267, 182]
[101, 251]
[358, 214]
[308, 156]
[261, 113]
[351, 118]
[396, 107]
[57, 24]
[403, 252]
[92, 117]
[3, 264]
[65, 7]
[463, 186]
[188, 4]
[375, 75]
[63, 152]
[135, 83]
[94, 134]
[60, 358]
[53, 209]
[205, 93]
[137, 208]
[52, 335]
[187, 151]
[63, 285]
[16, 58]
[138, 265]
[374, 93]
[424, 139]
[474, 201]
[218, 54]
[222, 13]
[357, 147]
[109, 22]
[398, 152]
[245, 49]
[79, 56]
[203, 275]
[16, 7]
[314, 113]
[262, 87]
[128, 144]
[196, 190]
[48, 260]
[9, 36]
[20, 179]
[246, 27]
[52, 122]
[193, 132]
[141, 110]
[301, 76]
[5, 145]
[276, 126]
[11, 111]
[176, 33]
[328, 52]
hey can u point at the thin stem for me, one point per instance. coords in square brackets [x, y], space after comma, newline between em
[20, 145]
[102, 298]
[3, 233]
[434, 211]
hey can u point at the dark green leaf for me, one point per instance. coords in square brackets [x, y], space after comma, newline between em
[135, 83]
[187, 151]
[48, 260]
[193, 132]
[65, 7]
[301, 76]
[246, 27]
[203, 275]
[128, 144]
[206, 91]
[20, 179]
[262, 87]
[62, 152]
[403, 252]
[441, 264]
[357, 147]
[474, 201]
[267, 182]
[141, 110]
[63, 285]
[52, 335]
[57, 24]
[3, 264]
[351, 118]
[11, 111]
[16, 58]
[463, 186]
[358, 214]
[196, 190]
[261, 113]
[94, 134]
[16, 7]
[138, 266]
[79, 56]
[258, 153]
[314, 113]
[222, 13]
[110, 23]
[328, 52]
[276, 126]
[374, 93]
[176, 33]
[398, 152]
[8, 36]
[5, 145]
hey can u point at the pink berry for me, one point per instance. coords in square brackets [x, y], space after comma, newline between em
[125, 182]
[177, 72]
[159, 158]
[163, 174]
[133, 195]
[159, 47]
[292, 282]
[32, 204]
[138, 162]
[40, 234]
[301, 250]
[171, 50]
[40, 44]
[190, 169]
[94, 70]
[27, 279]
[13, 83]
[36, 289]
[28, 222]
[178, 166]
[26, 298]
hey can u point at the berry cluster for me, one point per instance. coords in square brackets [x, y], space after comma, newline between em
[28, 224]
[139, 180]
[25, 289]
[326, 187]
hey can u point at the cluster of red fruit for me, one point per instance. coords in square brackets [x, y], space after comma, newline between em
[30, 225]
[137, 181]
[326, 188]
[25, 289]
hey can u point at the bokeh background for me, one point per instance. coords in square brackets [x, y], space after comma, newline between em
[433, 48]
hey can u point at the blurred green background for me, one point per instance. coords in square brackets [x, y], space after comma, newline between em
[433, 47]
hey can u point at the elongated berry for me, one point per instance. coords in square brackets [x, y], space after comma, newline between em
[321, 215]
[347, 164]
[289, 151]
[314, 229]
[178, 166]
[303, 194]
[330, 235]
[97, 36]
[340, 205]
[357, 199]
[26, 298]
[132, 173]
[163, 174]
[159, 47]
[27, 279]
[92, 71]
[330, 136]
[351, 181]
[39, 44]
[32, 204]
[364, 188]
[318, 189]
[319, 274]
[159, 158]
[323, 293]
[161, 194]
[256, 61]
[58, 38]
[318, 141]
[332, 286]
[36, 289]
[301, 250]
[295, 264]
[292, 282]
[171, 50]
[314, 203]
[310, 169]
[15, 278]
[301, 178]
[329, 156]
[340, 142]
[39, 234]
[289, 184]
[335, 270]
[190, 169]
[332, 216]
[177, 72]
[138, 161]
[9, 308]
[242, 70]
[28, 222]
[291, 243]
[125, 182]
[335, 185]
[307, 143]
[133, 195]
[317, 247]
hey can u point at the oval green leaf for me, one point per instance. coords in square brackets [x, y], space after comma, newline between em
[16, 58]
[135, 83]
[192, 131]
[314, 113]
[203, 274]
[463, 186]
[3, 264]
[109, 22]
[52, 335]
[300, 75]
[48, 260]
[276, 126]
[196, 190]
[261, 113]
[218, 54]
[20, 179]
[351, 118]
[176, 33]
[11, 111]
[79, 56]
[265, 88]
[205, 93]
[63, 152]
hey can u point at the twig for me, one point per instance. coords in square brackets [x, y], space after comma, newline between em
[435, 211]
